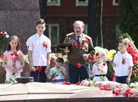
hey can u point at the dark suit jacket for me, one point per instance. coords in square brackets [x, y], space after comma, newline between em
[75, 54]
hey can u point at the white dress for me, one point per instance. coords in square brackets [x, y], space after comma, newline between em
[97, 73]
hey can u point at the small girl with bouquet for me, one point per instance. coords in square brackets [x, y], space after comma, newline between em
[13, 61]
[99, 69]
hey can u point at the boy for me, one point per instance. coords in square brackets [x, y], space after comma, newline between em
[57, 73]
[39, 48]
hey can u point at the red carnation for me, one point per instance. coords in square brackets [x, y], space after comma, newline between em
[51, 60]
[2, 56]
[53, 76]
[92, 58]
[40, 69]
[74, 42]
[123, 61]
[135, 62]
[79, 45]
[132, 74]
[78, 82]
[135, 71]
[104, 64]
[97, 54]
[78, 65]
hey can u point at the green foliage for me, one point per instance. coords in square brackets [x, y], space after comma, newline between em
[128, 20]
[2, 43]
[11, 80]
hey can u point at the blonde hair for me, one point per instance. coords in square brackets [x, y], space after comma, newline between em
[101, 54]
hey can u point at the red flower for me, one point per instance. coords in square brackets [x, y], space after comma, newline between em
[45, 44]
[53, 76]
[135, 71]
[86, 41]
[104, 64]
[51, 60]
[132, 86]
[132, 74]
[53, 83]
[97, 54]
[123, 61]
[40, 69]
[66, 83]
[135, 62]
[78, 82]
[78, 65]
[74, 43]
[2, 56]
[79, 45]
[92, 58]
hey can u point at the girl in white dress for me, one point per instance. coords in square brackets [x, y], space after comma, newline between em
[99, 69]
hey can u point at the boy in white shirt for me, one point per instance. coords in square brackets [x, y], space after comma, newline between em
[39, 48]
[123, 63]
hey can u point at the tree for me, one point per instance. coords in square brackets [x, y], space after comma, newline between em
[92, 13]
[95, 22]
[99, 24]
[128, 20]
[43, 7]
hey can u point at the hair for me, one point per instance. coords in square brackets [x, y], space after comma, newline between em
[60, 60]
[124, 41]
[102, 54]
[41, 21]
[79, 22]
[13, 38]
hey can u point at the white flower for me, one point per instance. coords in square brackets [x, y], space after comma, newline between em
[7, 36]
[5, 33]
[132, 84]
[136, 84]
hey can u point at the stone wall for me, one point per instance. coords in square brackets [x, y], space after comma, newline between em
[18, 17]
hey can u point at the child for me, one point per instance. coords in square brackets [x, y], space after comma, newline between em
[99, 68]
[57, 73]
[13, 58]
[123, 63]
[39, 48]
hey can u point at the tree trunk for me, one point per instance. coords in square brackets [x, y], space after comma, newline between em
[92, 13]
[43, 7]
[99, 41]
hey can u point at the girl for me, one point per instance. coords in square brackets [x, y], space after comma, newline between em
[13, 58]
[123, 63]
[99, 68]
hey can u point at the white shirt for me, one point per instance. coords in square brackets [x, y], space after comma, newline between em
[95, 70]
[39, 52]
[122, 69]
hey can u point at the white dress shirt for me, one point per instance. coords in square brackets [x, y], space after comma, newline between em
[39, 52]
[122, 69]
[96, 72]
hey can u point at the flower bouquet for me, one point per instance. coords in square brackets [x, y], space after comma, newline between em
[3, 36]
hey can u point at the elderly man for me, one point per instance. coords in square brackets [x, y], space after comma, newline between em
[79, 53]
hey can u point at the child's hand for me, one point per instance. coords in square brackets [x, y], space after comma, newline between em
[33, 69]
[113, 64]
[13, 68]
[128, 80]
[60, 69]
[99, 69]
[46, 71]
